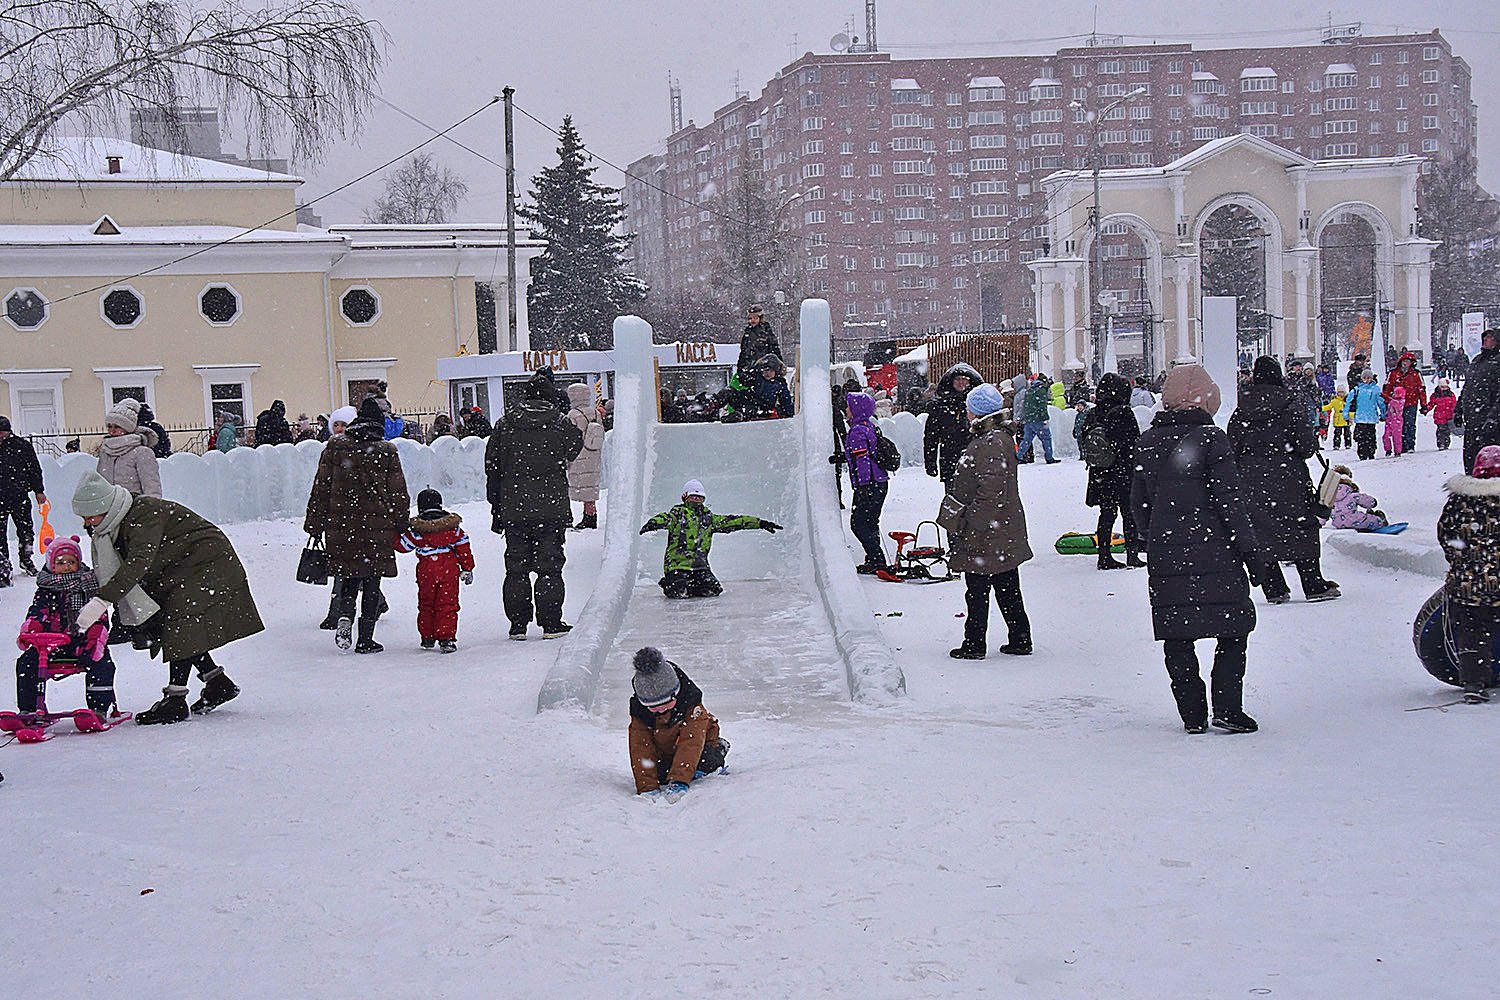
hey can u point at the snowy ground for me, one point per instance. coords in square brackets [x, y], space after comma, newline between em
[404, 825]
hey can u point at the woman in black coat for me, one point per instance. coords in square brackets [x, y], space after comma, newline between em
[1109, 485]
[947, 432]
[1273, 439]
[1197, 531]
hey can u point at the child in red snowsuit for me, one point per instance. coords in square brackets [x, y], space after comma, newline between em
[443, 559]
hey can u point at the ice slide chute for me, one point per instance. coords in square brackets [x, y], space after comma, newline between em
[793, 624]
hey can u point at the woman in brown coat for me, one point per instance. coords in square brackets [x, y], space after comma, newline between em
[986, 527]
[359, 505]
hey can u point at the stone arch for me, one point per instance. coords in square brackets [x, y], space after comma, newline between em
[1275, 243]
[1150, 241]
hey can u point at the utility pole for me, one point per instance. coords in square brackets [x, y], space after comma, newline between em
[510, 217]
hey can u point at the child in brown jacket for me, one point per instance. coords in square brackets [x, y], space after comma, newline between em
[673, 738]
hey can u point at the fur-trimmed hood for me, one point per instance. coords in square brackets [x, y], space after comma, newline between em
[427, 526]
[1471, 487]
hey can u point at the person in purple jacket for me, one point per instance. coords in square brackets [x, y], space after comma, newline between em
[869, 480]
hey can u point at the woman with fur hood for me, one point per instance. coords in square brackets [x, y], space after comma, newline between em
[584, 470]
[127, 455]
[1467, 530]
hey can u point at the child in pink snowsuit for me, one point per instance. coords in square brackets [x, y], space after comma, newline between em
[1353, 509]
[1393, 414]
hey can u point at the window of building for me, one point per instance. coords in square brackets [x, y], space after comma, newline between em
[812, 147]
[872, 100]
[1288, 87]
[1264, 131]
[812, 124]
[1374, 82]
[1174, 90]
[121, 307]
[811, 100]
[1344, 127]
[1431, 52]
[987, 142]
[989, 211]
[1429, 121]
[1252, 84]
[219, 304]
[814, 217]
[1403, 79]
[26, 308]
[1257, 107]
[1111, 66]
[1341, 149]
[1140, 65]
[1429, 100]
[846, 170]
[1429, 76]
[875, 170]
[1174, 66]
[1374, 104]
[360, 305]
[986, 94]
[1338, 81]
[1204, 133]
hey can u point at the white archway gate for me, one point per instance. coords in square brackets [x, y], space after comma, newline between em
[1292, 198]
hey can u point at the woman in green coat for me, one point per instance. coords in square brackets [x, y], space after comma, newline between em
[171, 571]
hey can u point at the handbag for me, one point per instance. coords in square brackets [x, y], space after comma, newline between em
[312, 567]
[1328, 488]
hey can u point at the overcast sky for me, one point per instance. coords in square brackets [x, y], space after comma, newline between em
[605, 62]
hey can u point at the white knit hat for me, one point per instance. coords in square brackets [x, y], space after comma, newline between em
[343, 415]
[125, 415]
[693, 488]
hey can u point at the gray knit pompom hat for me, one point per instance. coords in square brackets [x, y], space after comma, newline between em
[655, 679]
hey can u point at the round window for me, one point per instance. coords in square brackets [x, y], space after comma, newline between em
[360, 306]
[122, 307]
[25, 308]
[219, 304]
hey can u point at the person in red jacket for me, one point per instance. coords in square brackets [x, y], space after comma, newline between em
[443, 559]
[1443, 403]
[1406, 376]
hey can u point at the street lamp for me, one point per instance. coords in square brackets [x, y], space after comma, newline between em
[1096, 119]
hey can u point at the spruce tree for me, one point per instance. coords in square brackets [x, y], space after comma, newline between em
[1465, 220]
[581, 282]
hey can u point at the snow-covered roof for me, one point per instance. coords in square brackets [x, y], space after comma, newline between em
[86, 158]
[905, 84]
[1045, 81]
[985, 82]
[1339, 69]
[1256, 71]
[1201, 75]
[49, 235]
[916, 354]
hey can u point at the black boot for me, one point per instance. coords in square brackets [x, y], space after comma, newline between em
[217, 689]
[367, 643]
[968, 652]
[1133, 559]
[1107, 559]
[331, 622]
[27, 566]
[587, 521]
[173, 707]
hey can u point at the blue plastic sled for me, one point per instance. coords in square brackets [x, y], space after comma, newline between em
[1389, 529]
[1429, 634]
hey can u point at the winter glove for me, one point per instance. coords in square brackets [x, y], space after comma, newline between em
[836, 459]
[646, 528]
[674, 791]
[91, 612]
[770, 526]
[467, 577]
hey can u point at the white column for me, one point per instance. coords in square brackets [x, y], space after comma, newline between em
[1411, 326]
[1070, 316]
[1184, 348]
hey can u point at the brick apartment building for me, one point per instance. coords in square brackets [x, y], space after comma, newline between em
[912, 186]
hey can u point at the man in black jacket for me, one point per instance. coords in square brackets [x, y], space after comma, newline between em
[526, 468]
[756, 342]
[146, 418]
[271, 426]
[947, 432]
[20, 474]
[1479, 406]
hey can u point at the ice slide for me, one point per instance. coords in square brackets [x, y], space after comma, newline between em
[792, 625]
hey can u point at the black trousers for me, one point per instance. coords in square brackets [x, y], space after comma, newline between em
[346, 589]
[1474, 630]
[1227, 681]
[690, 583]
[1444, 436]
[178, 671]
[1007, 590]
[1341, 437]
[1106, 529]
[864, 520]
[1273, 580]
[1364, 441]
[534, 548]
[100, 692]
[16, 506]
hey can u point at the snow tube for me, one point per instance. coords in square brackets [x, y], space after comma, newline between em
[1429, 635]
[1075, 543]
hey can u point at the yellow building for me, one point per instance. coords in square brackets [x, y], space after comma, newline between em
[187, 283]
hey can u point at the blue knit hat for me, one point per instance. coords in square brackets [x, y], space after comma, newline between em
[984, 400]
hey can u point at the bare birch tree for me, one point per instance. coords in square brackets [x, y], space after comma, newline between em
[303, 69]
[421, 191]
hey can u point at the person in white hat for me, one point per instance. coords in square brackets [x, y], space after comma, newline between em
[127, 455]
[691, 527]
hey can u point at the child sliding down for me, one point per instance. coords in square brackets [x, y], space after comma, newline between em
[1353, 509]
[673, 738]
[691, 527]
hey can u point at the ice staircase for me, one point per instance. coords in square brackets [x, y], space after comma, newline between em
[793, 626]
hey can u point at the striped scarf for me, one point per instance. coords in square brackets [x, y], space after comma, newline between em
[73, 591]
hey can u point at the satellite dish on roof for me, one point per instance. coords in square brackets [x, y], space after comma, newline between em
[839, 42]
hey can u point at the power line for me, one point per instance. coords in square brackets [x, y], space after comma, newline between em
[283, 215]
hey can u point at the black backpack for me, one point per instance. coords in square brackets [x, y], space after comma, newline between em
[1097, 450]
[887, 455]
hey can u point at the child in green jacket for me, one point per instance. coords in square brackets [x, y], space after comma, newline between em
[691, 527]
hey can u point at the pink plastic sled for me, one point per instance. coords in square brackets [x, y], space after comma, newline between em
[31, 727]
